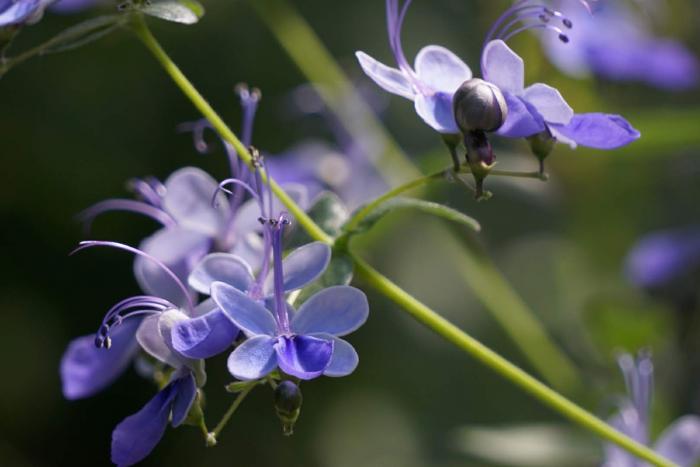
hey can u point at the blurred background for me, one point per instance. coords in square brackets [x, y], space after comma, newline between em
[76, 126]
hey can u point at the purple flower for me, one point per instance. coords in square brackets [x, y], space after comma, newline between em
[662, 257]
[541, 108]
[430, 84]
[17, 12]
[616, 42]
[679, 443]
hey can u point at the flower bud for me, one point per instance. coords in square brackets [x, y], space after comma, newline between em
[288, 401]
[479, 105]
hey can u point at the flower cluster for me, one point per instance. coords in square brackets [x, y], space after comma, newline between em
[215, 279]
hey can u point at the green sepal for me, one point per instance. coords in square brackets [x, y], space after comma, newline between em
[176, 11]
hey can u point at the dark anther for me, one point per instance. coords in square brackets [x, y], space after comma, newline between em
[544, 18]
[564, 38]
[567, 22]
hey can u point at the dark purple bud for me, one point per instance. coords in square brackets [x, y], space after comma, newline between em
[288, 401]
[479, 106]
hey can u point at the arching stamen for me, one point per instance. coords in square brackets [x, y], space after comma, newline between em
[645, 385]
[149, 190]
[120, 246]
[238, 183]
[501, 19]
[116, 315]
[88, 215]
[197, 128]
[523, 11]
[395, 17]
[560, 33]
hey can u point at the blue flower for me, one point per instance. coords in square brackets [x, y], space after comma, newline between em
[616, 42]
[660, 258]
[541, 108]
[430, 84]
[679, 443]
[17, 12]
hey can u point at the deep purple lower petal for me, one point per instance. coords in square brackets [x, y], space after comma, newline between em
[205, 336]
[522, 121]
[305, 357]
[186, 391]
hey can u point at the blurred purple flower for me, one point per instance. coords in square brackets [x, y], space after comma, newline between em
[662, 257]
[539, 107]
[72, 6]
[616, 42]
[679, 443]
[18, 12]
[431, 84]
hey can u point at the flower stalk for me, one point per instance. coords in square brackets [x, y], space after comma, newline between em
[383, 285]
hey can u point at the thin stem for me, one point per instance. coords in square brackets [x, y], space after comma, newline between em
[232, 409]
[307, 51]
[500, 365]
[414, 307]
[142, 31]
[424, 180]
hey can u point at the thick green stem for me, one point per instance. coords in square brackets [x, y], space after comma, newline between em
[139, 26]
[384, 286]
[512, 373]
[308, 52]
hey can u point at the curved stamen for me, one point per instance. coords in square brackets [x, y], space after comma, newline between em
[561, 34]
[95, 243]
[249, 102]
[197, 128]
[526, 10]
[541, 15]
[238, 183]
[150, 190]
[88, 215]
[501, 19]
[119, 313]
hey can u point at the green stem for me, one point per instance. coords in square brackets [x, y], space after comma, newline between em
[512, 373]
[383, 285]
[367, 209]
[231, 410]
[142, 31]
[308, 52]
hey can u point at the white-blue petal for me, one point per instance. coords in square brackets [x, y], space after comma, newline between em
[503, 67]
[436, 110]
[250, 316]
[387, 78]
[302, 266]
[254, 358]
[344, 359]
[221, 267]
[336, 310]
[441, 69]
[680, 442]
[549, 103]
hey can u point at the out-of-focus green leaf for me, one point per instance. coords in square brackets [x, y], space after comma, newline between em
[329, 212]
[177, 11]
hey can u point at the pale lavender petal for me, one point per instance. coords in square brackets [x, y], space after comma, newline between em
[661, 257]
[680, 442]
[250, 316]
[387, 78]
[221, 267]
[86, 370]
[254, 358]
[599, 131]
[186, 391]
[189, 200]
[436, 110]
[441, 69]
[503, 67]
[549, 103]
[336, 310]
[522, 121]
[344, 359]
[305, 357]
[151, 340]
[18, 12]
[180, 250]
[302, 266]
[136, 436]
[205, 336]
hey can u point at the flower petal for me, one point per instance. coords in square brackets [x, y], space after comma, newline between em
[336, 310]
[86, 370]
[302, 266]
[387, 78]
[441, 69]
[179, 249]
[205, 336]
[344, 359]
[188, 199]
[250, 316]
[185, 392]
[522, 121]
[503, 67]
[680, 442]
[151, 340]
[254, 358]
[549, 103]
[305, 357]
[596, 130]
[18, 12]
[136, 436]
[221, 267]
[436, 110]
